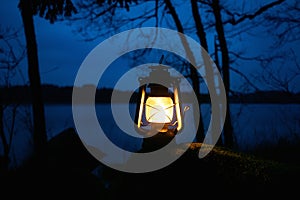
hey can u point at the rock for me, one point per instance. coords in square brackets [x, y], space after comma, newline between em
[66, 151]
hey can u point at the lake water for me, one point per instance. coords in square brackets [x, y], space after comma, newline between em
[253, 124]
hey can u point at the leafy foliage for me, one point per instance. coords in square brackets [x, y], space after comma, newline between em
[52, 9]
[122, 3]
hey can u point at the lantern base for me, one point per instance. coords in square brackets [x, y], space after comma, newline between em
[157, 141]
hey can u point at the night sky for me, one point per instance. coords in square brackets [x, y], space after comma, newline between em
[61, 49]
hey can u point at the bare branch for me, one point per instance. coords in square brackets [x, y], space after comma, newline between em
[245, 77]
[243, 17]
[255, 58]
[281, 75]
[97, 20]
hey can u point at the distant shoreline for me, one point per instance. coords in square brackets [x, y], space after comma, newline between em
[63, 95]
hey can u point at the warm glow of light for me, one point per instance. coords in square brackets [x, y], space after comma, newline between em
[159, 109]
[177, 107]
[141, 109]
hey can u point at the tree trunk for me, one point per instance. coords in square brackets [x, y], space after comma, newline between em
[5, 160]
[193, 70]
[39, 134]
[199, 25]
[228, 130]
[209, 73]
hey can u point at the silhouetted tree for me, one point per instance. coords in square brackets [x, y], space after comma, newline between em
[11, 54]
[50, 10]
[39, 134]
[209, 73]
[228, 130]
[219, 22]
[193, 71]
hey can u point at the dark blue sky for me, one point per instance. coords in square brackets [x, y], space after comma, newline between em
[61, 50]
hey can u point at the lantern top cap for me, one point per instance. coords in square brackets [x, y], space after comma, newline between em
[160, 73]
[159, 67]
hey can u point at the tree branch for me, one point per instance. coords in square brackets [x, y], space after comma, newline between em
[244, 77]
[261, 10]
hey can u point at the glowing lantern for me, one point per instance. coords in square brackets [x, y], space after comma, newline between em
[158, 105]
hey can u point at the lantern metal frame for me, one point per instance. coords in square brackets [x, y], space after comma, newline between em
[169, 88]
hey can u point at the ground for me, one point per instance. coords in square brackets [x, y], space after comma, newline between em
[222, 171]
[68, 173]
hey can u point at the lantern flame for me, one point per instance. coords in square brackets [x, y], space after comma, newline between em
[159, 109]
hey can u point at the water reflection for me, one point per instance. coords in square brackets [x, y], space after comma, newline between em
[254, 124]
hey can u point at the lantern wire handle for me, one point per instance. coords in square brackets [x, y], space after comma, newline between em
[186, 108]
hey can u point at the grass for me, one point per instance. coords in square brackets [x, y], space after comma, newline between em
[222, 171]
[238, 166]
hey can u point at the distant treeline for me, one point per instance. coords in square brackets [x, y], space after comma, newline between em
[56, 95]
